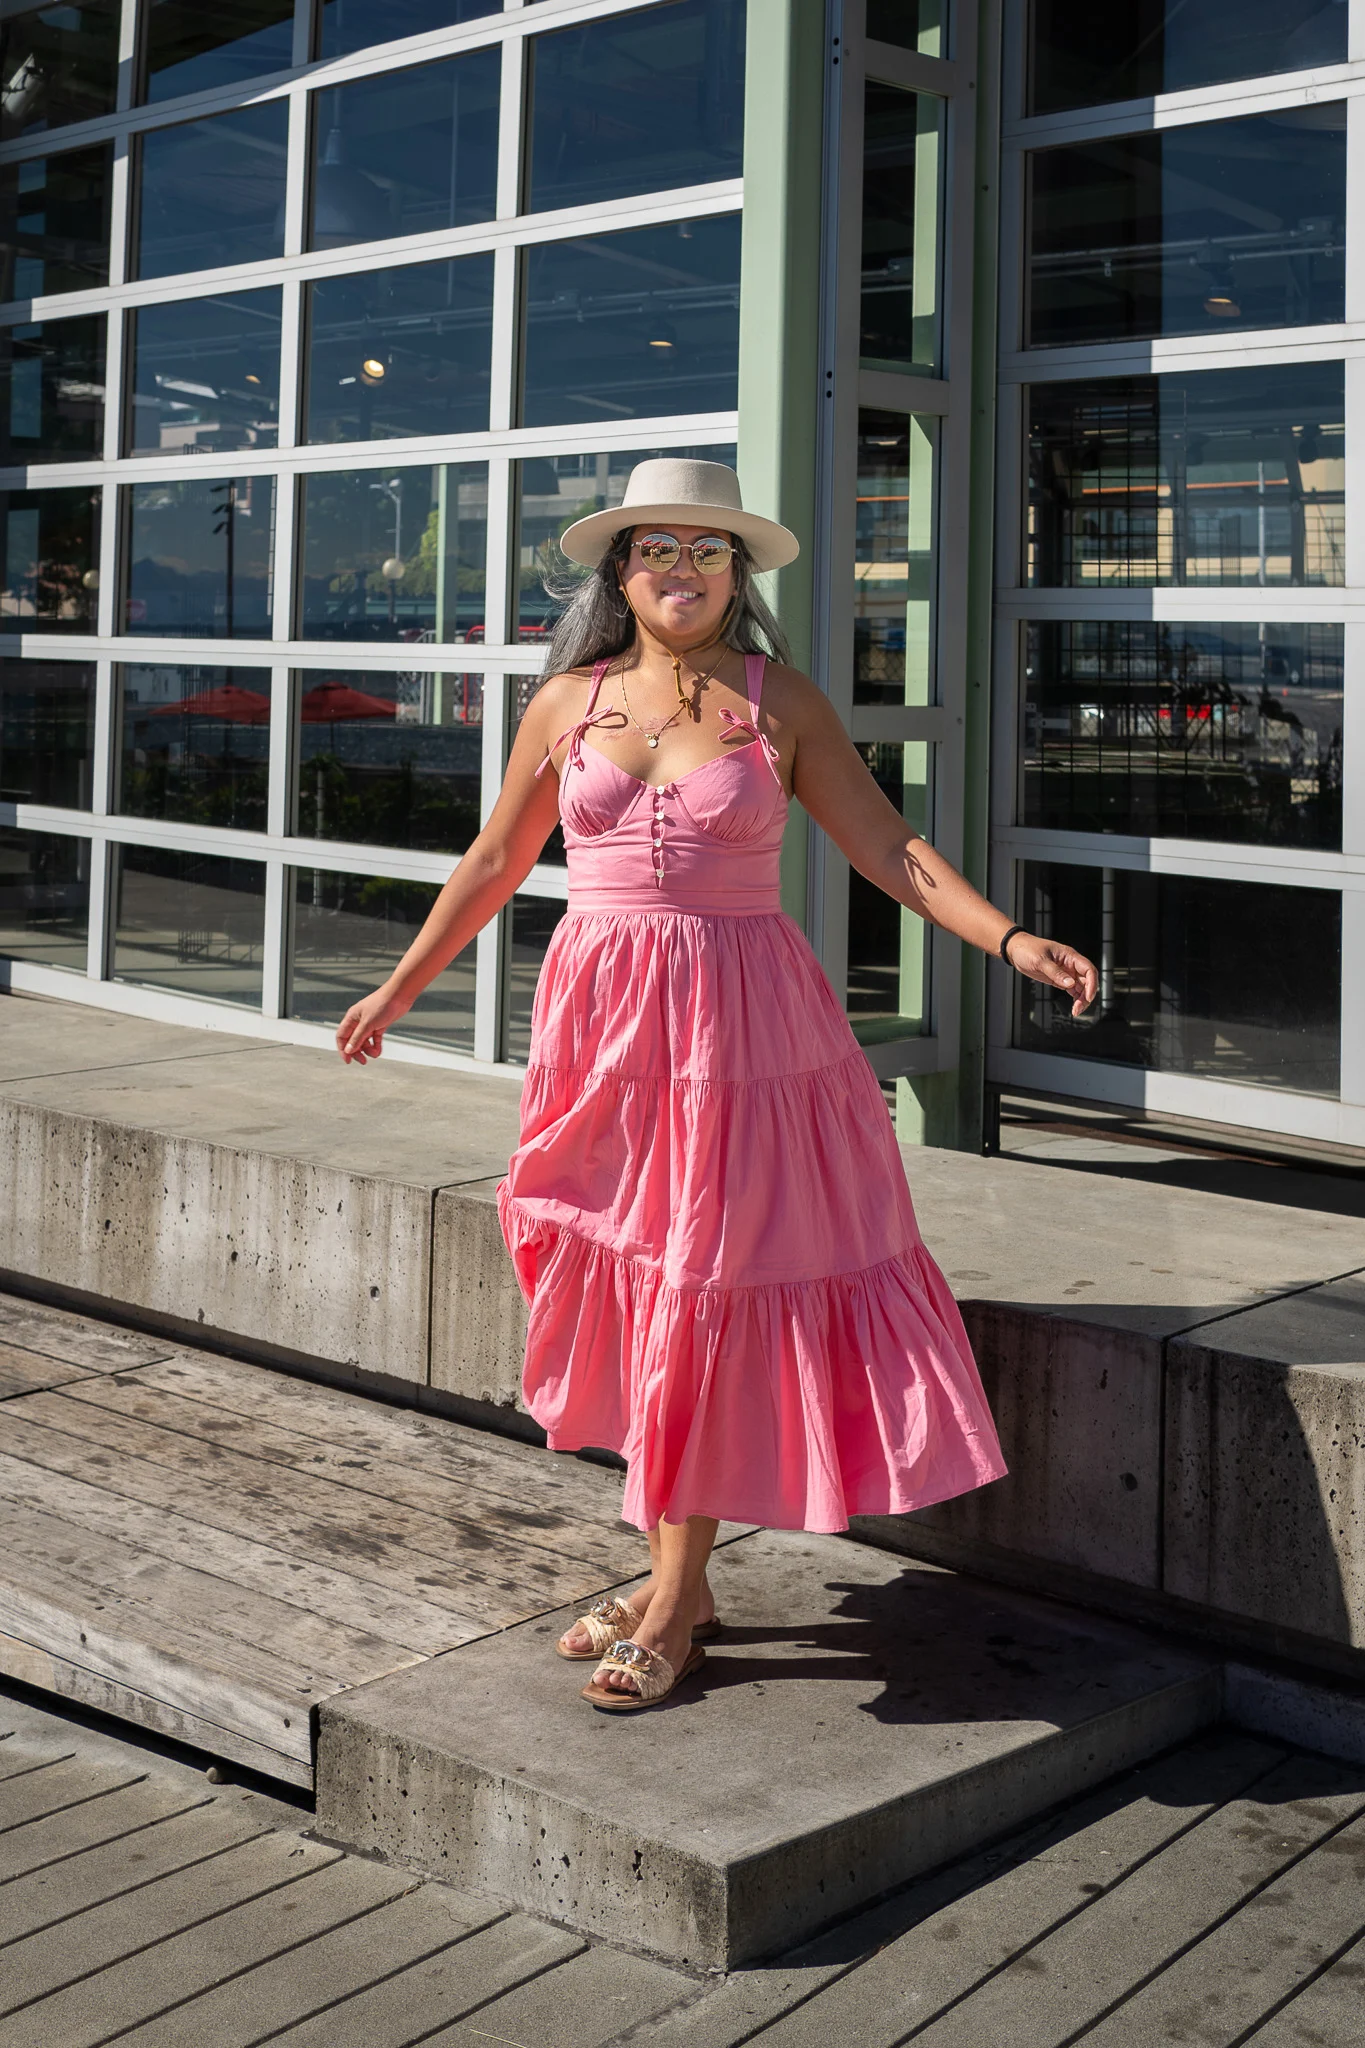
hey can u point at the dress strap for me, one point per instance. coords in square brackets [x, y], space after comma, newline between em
[574, 733]
[754, 667]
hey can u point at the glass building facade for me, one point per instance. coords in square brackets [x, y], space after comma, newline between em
[321, 319]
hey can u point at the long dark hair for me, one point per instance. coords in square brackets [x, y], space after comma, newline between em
[596, 623]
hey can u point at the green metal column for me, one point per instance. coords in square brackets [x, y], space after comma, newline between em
[779, 325]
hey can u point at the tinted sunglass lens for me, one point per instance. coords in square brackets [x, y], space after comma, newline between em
[711, 556]
[659, 551]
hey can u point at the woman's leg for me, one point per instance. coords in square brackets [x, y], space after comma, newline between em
[576, 1638]
[679, 1585]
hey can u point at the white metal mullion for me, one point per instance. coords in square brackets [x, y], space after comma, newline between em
[511, 148]
[296, 174]
[273, 985]
[912, 70]
[291, 362]
[279, 806]
[1354, 307]
[287, 533]
[570, 223]
[99, 937]
[102, 757]
[120, 213]
[115, 401]
[1353, 995]
[490, 947]
[127, 57]
[1224, 101]
[1355, 480]
[1355, 32]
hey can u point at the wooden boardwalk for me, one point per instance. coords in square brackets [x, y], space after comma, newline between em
[209, 1549]
[1213, 1898]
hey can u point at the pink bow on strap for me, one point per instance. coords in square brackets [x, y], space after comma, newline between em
[734, 723]
[574, 757]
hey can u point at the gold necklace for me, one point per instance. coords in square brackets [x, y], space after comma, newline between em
[651, 739]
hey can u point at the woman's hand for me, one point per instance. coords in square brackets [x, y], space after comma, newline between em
[360, 1034]
[1059, 966]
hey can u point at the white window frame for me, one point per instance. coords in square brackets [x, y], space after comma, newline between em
[1284, 1112]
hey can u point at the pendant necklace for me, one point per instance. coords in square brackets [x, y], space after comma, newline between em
[651, 736]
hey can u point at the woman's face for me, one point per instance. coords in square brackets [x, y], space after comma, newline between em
[682, 606]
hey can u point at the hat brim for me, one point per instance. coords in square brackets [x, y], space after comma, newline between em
[588, 540]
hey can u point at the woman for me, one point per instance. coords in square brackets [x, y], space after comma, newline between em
[707, 1210]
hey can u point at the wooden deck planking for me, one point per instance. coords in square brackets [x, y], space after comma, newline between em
[29, 1372]
[198, 1600]
[490, 1581]
[495, 1465]
[211, 1551]
[335, 1595]
[462, 1501]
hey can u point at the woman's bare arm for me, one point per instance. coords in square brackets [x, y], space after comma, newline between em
[493, 869]
[834, 786]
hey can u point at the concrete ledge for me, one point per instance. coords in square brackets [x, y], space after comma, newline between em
[820, 1759]
[1157, 1356]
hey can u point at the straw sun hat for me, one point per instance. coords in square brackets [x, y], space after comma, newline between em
[688, 494]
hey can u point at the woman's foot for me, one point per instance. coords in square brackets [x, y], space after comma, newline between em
[577, 1642]
[667, 1633]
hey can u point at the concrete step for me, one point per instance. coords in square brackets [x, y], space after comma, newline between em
[861, 1721]
[1154, 1331]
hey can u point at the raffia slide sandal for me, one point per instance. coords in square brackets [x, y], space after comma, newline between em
[650, 1669]
[611, 1621]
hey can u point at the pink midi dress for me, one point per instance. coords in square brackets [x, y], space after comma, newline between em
[707, 1208]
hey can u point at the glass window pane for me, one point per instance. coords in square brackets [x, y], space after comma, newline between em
[205, 374]
[403, 351]
[523, 689]
[902, 174]
[44, 898]
[395, 554]
[888, 947]
[51, 542]
[191, 922]
[1221, 225]
[52, 390]
[533, 922]
[909, 24]
[54, 223]
[1083, 54]
[195, 745]
[893, 603]
[556, 490]
[47, 732]
[390, 759]
[350, 932]
[348, 25]
[637, 103]
[1234, 981]
[192, 48]
[1223, 476]
[199, 555]
[635, 325]
[59, 64]
[406, 152]
[1228, 732]
[212, 192]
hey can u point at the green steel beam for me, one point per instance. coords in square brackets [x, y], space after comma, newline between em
[779, 327]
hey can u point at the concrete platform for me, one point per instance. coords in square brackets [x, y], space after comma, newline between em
[342, 1221]
[859, 1722]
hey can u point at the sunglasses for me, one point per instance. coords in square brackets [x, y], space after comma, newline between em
[710, 555]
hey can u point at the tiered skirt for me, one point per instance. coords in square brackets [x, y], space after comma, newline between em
[709, 1219]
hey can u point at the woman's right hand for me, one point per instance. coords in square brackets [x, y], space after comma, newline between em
[360, 1034]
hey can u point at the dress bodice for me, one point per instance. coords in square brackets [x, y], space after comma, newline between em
[708, 842]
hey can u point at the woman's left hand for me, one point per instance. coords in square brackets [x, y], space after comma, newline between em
[1059, 966]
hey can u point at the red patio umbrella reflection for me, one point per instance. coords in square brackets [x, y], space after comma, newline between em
[329, 703]
[229, 702]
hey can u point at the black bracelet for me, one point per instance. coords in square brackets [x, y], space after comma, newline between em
[1012, 933]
